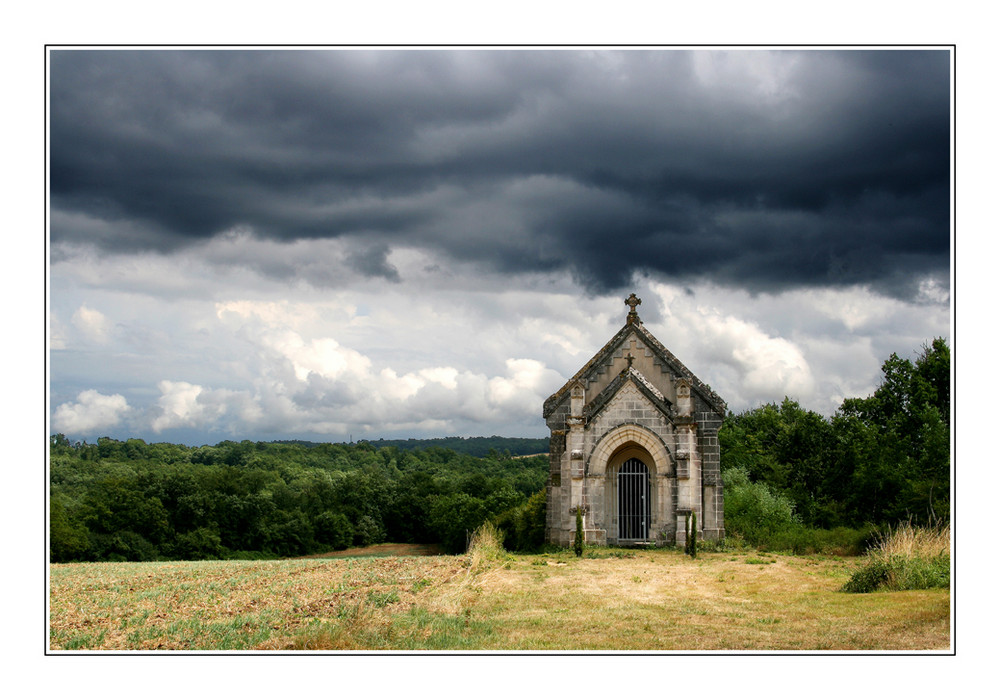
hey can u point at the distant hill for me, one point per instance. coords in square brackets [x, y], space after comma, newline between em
[474, 446]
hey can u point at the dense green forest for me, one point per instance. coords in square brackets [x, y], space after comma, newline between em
[788, 474]
[136, 501]
[879, 460]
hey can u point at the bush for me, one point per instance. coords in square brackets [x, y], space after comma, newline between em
[578, 539]
[906, 558]
[486, 547]
[202, 543]
[334, 530]
[368, 531]
[799, 539]
[691, 535]
[69, 540]
[453, 516]
[524, 525]
[122, 546]
[754, 511]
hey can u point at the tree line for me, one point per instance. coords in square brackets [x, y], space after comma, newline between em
[878, 460]
[787, 473]
[129, 500]
[475, 446]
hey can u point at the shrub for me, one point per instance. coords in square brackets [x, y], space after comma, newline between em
[754, 511]
[202, 543]
[69, 540]
[122, 546]
[799, 539]
[368, 531]
[524, 525]
[334, 529]
[578, 539]
[691, 535]
[906, 558]
[486, 547]
[453, 516]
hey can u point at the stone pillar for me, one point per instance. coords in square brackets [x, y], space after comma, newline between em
[574, 448]
[688, 473]
[711, 476]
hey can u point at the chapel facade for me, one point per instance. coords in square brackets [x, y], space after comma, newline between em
[634, 444]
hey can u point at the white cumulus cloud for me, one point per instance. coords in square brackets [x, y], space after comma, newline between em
[92, 324]
[183, 404]
[91, 411]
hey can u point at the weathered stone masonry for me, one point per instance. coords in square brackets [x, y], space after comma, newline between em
[634, 439]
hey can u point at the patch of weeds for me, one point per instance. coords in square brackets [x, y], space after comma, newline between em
[380, 599]
[84, 641]
[691, 610]
[756, 560]
[769, 620]
[636, 579]
[609, 554]
[907, 558]
[421, 585]
[419, 628]
[897, 573]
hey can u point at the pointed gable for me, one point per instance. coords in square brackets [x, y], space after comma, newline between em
[641, 385]
[634, 452]
[662, 358]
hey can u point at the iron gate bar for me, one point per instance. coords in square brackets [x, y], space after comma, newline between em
[633, 501]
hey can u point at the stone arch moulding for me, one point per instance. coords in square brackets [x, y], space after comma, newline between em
[629, 434]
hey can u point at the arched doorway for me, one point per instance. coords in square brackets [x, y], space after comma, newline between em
[634, 501]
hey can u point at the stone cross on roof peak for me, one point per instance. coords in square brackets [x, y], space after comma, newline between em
[632, 302]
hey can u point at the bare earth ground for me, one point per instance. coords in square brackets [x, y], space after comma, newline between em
[649, 600]
[387, 549]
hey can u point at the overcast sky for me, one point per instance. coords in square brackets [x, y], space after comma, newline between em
[334, 244]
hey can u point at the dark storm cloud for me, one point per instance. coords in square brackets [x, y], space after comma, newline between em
[755, 169]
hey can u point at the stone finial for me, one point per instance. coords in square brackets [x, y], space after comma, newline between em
[632, 302]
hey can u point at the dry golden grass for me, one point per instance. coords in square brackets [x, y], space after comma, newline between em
[909, 541]
[651, 600]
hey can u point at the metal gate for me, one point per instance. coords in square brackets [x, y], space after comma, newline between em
[633, 501]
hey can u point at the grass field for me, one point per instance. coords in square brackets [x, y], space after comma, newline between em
[611, 599]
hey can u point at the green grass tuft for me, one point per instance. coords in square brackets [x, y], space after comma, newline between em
[904, 559]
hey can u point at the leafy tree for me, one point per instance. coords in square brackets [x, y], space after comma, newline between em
[68, 538]
[368, 531]
[116, 505]
[334, 530]
[879, 459]
[524, 525]
[202, 543]
[455, 515]
[907, 460]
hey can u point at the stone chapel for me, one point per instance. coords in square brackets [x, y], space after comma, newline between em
[635, 445]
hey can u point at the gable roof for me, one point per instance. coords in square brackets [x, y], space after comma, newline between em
[663, 357]
[594, 408]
